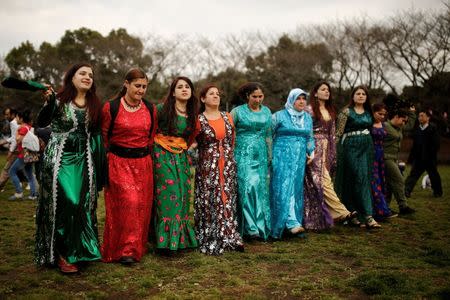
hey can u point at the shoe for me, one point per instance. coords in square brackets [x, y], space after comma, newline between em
[32, 197]
[297, 230]
[240, 248]
[65, 267]
[127, 260]
[392, 215]
[436, 195]
[16, 196]
[354, 222]
[408, 194]
[371, 223]
[406, 210]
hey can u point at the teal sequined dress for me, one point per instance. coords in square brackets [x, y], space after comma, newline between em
[355, 152]
[253, 134]
[66, 213]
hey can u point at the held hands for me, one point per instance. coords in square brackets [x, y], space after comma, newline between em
[309, 158]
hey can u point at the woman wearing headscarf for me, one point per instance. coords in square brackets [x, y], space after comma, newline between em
[293, 148]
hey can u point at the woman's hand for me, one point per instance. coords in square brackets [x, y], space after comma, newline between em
[309, 158]
[46, 94]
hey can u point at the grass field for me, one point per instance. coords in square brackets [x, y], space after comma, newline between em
[409, 258]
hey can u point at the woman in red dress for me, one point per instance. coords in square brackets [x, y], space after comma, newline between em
[128, 128]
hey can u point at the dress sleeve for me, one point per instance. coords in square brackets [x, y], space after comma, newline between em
[154, 120]
[310, 143]
[269, 136]
[230, 118]
[341, 122]
[106, 122]
[47, 112]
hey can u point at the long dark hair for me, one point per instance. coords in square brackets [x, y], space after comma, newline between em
[314, 101]
[68, 92]
[202, 94]
[168, 110]
[367, 106]
[247, 88]
[132, 74]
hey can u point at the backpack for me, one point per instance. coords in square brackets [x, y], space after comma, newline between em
[114, 110]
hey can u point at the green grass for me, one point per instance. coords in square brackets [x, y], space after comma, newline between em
[408, 258]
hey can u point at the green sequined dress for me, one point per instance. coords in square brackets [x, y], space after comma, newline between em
[66, 222]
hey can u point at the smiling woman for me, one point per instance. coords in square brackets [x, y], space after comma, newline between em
[66, 222]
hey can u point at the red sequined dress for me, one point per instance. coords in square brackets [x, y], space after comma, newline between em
[129, 193]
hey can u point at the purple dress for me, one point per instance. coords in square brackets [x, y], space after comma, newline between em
[380, 207]
[316, 214]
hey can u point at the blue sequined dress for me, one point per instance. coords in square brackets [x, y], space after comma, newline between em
[253, 134]
[291, 143]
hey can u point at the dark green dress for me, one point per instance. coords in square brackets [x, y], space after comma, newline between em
[66, 213]
[354, 161]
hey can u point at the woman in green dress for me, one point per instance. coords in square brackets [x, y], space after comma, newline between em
[66, 220]
[355, 156]
[253, 123]
[176, 124]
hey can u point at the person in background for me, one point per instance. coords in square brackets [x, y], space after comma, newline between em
[10, 115]
[423, 155]
[355, 156]
[253, 123]
[23, 120]
[293, 148]
[215, 178]
[177, 117]
[399, 120]
[129, 192]
[381, 210]
[66, 219]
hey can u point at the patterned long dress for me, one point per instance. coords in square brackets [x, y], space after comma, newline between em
[317, 215]
[291, 144]
[173, 190]
[380, 207]
[253, 134]
[66, 221]
[355, 161]
[129, 193]
[215, 187]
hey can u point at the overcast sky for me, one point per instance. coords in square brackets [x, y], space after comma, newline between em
[47, 20]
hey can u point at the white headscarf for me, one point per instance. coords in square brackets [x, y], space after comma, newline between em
[296, 116]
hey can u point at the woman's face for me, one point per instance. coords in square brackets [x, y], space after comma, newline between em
[183, 91]
[380, 115]
[19, 120]
[136, 89]
[255, 99]
[212, 98]
[300, 103]
[323, 93]
[360, 96]
[83, 79]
